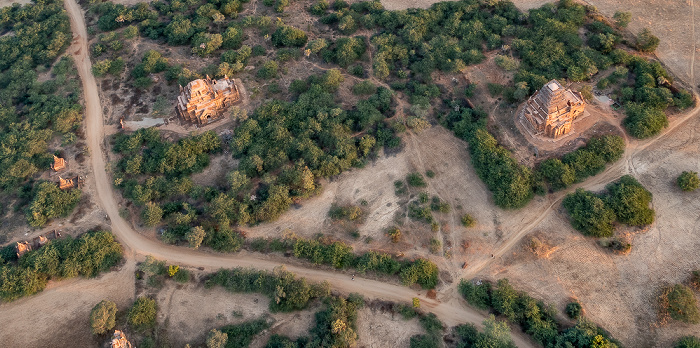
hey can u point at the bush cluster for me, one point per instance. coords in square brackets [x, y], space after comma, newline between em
[624, 200]
[509, 182]
[240, 335]
[578, 165]
[35, 114]
[286, 292]
[142, 314]
[89, 255]
[534, 317]
[688, 181]
[297, 141]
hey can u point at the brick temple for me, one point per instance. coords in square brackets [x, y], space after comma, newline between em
[552, 110]
[204, 100]
[58, 164]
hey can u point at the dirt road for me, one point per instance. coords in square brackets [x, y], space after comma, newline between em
[451, 312]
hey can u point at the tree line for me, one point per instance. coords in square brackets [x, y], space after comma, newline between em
[534, 317]
[285, 290]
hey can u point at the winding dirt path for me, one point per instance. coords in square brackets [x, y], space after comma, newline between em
[451, 312]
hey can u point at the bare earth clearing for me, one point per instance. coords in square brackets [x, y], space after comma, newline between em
[60, 315]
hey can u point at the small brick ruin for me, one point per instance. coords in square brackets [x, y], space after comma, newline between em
[552, 110]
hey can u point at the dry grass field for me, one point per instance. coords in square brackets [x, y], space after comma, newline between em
[60, 315]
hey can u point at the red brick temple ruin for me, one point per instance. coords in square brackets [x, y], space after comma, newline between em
[58, 163]
[204, 100]
[552, 110]
[119, 340]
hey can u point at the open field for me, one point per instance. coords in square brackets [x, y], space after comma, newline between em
[60, 315]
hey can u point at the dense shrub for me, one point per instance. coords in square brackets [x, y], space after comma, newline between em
[688, 342]
[50, 202]
[643, 122]
[679, 303]
[89, 255]
[496, 334]
[468, 220]
[142, 314]
[536, 319]
[625, 200]
[103, 317]
[240, 335]
[421, 272]
[688, 181]
[416, 180]
[630, 201]
[646, 41]
[286, 292]
[573, 310]
[288, 36]
[477, 295]
[589, 214]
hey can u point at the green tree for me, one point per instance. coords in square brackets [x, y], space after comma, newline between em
[688, 342]
[647, 42]
[589, 214]
[195, 236]
[688, 181]
[288, 36]
[630, 201]
[558, 175]
[332, 79]
[152, 214]
[142, 314]
[268, 70]
[468, 220]
[204, 44]
[573, 310]
[216, 339]
[315, 46]
[679, 302]
[103, 317]
[497, 332]
[50, 202]
[179, 30]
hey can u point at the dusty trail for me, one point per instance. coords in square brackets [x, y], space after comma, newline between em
[451, 313]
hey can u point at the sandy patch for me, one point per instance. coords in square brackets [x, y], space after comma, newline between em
[378, 329]
[60, 315]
